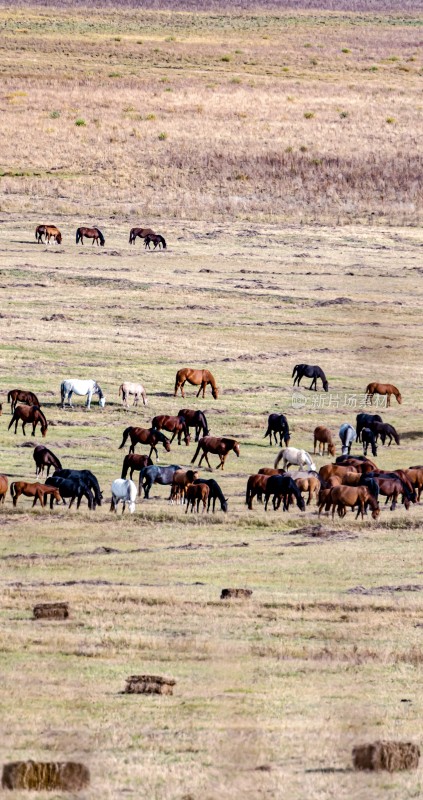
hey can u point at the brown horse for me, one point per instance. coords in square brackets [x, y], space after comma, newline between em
[339, 470]
[51, 232]
[145, 436]
[271, 471]
[383, 388]
[16, 396]
[310, 484]
[90, 233]
[134, 462]
[343, 496]
[218, 445]
[27, 414]
[175, 425]
[3, 488]
[40, 231]
[141, 232]
[182, 478]
[415, 476]
[156, 239]
[196, 493]
[323, 436]
[36, 490]
[256, 487]
[43, 457]
[196, 377]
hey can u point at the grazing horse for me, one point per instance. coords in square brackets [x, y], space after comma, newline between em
[16, 396]
[85, 475]
[150, 475]
[141, 232]
[364, 420]
[40, 231]
[307, 482]
[3, 488]
[126, 491]
[197, 493]
[182, 478]
[218, 445]
[292, 455]
[81, 388]
[90, 233]
[383, 389]
[215, 493]
[175, 425]
[51, 232]
[347, 436]
[75, 488]
[368, 438]
[323, 436]
[195, 419]
[415, 476]
[306, 371]
[145, 436]
[256, 487]
[282, 487]
[156, 239]
[278, 424]
[27, 414]
[36, 490]
[196, 377]
[134, 462]
[125, 389]
[343, 496]
[385, 431]
[43, 457]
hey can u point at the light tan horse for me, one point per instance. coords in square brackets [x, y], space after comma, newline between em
[196, 377]
[51, 232]
[125, 389]
[383, 388]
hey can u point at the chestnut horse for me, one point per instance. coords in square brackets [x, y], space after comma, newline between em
[175, 425]
[141, 232]
[383, 388]
[256, 487]
[145, 436]
[36, 490]
[343, 496]
[197, 377]
[196, 493]
[16, 396]
[323, 436]
[3, 488]
[218, 445]
[27, 414]
[51, 232]
[90, 233]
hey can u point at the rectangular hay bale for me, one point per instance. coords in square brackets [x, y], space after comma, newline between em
[51, 611]
[389, 755]
[65, 776]
[149, 684]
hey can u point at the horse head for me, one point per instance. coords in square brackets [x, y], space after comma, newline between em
[325, 386]
[215, 392]
[59, 238]
[399, 397]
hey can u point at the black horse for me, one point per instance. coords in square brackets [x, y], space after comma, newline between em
[306, 371]
[150, 475]
[74, 488]
[195, 419]
[215, 493]
[44, 457]
[385, 431]
[278, 424]
[87, 476]
[368, 438]
[282, 487]
[364, 420]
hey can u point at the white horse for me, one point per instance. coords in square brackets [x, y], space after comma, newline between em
[125, 389]
[347, 435]
[88, 388]
[291, 455]
[126, 491]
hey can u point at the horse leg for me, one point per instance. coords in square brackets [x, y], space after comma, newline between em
[388, 402]
[89, 395]
[179, 437]
[198, 393]
[112, 504]
[222, 461]
[205, 455]
[70, 398]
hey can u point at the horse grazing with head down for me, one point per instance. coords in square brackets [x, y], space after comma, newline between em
[29, 414]
[81, 388]
[306, 371]
[218, 445]
[197, 493]
[90, 233]
[322, 437]
[126, 491]
[126, 389]
[215, 493]
[278, 424]
[383, 389]
[36, 490]
[156, 239]
[385, 431]
[16, 396]
[175, 425]
[141, 232]
[195, 419]
[196, 377]
[51, 232]
[347, 435]
[364, 420]
[145, 436]
[283, 488]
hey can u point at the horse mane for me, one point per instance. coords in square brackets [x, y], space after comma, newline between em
[102, 239]
[162, 240]
[41, 414]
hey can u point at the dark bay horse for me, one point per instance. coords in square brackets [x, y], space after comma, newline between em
[383, 389]
[218, 445]
[134, 462]
[196, 377]
[43, 457]
[385, 431]
[40, 231]
[195, 419]
[156, 239]
[282, 487]
[278, 424]
[364, 420]
[145, 436]
[141, 232]
[29, 414]
[16, 396]
[150, 475]
[306, 371]
[175, 425]
[87, 477]
[368, 438]
[215, 493]
[90, 233]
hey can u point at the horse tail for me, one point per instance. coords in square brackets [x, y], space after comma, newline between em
[130, 236]
[248, 494]
[268, 432]
[196, 452]
[9, 396]
[13, 489]
[125, 436]
[78, 235]
[278, 458]
[120, 390]
[101, 237]
[125, 467]
[62, 391]
[294, 370]
[163, 242]
[287, 435]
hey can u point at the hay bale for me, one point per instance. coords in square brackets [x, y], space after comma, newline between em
[392, 756]
[65, 776]
[149, 684]
[51, 611]
[228, 594]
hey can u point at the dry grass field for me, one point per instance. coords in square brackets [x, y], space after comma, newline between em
[273, 692]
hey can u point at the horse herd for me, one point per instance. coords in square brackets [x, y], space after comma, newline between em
[349, 481]
[51, 232]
